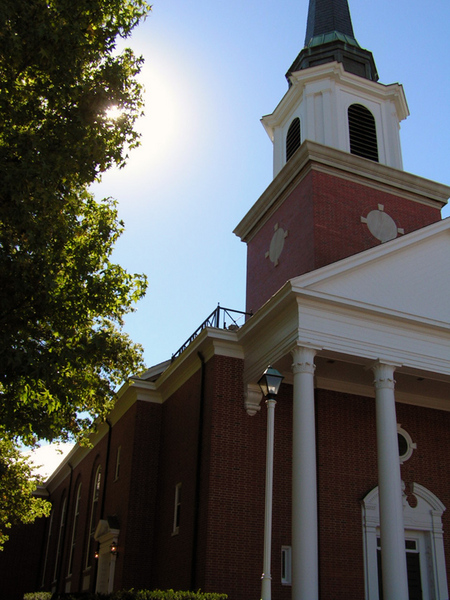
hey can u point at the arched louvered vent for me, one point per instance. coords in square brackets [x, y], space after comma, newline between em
[363, 132]
[293, 138]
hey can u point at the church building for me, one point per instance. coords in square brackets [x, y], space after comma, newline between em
[339, 487]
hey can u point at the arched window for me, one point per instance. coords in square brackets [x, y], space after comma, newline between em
[363, 132]
[94, 513]
[293, 138]
[62, 524]
[76, 518]
[49, 538]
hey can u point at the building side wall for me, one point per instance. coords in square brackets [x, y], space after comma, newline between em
[141, 517]
[296, 217]
[173, 550]
[236, 494]
[22, 560]
[117, 497]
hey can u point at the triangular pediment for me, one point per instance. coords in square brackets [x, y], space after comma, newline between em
[107, 528]
[409, 275]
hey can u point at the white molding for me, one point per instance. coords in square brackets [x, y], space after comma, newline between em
[320, 96]
[312, 155]
[367, 391]
[426, 517]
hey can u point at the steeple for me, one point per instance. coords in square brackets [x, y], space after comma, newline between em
[329, 37]
[329, 17]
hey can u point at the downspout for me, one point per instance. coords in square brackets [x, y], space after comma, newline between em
[66, 523]
[198, 475]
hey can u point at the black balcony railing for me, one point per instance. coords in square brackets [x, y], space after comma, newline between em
[220, 318]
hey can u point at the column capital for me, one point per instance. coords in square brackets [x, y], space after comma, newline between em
[384, 374]
[303, 359]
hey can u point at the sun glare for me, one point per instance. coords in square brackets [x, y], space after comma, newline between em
[113, 113]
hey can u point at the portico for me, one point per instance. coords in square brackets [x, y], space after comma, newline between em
[353, 343]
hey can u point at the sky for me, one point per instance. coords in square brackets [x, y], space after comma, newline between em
[212, 70]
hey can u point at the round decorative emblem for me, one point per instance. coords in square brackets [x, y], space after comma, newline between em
[276, 245]
[381, 225]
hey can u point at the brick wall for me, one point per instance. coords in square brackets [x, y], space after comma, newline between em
[178, 464]
[323, 218]
[347, 471]
[21, 562]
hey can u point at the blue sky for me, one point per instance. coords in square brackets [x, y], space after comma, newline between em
[212, 70]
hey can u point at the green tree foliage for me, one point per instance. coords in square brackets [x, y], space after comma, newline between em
[17, 484]
[62, 300]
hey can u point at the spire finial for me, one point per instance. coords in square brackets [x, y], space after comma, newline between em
[327, 17]
[329, 37]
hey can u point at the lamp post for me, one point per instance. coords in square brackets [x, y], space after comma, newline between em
[270, 384]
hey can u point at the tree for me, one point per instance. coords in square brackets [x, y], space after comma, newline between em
[17, 486]
[62, 300]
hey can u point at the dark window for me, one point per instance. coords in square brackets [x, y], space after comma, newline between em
[293, 138]
[403, 445]
[363, 133]
[94, 517]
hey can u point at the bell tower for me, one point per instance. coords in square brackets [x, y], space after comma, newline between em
[339, 187]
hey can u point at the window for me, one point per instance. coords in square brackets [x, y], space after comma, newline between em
[49, 537]
[117, 471]
[94, 517]
[62, 524]
[405, 444]
[177, 508]
[286, 568]
[76, 517]
[293, 138]
[362, 131]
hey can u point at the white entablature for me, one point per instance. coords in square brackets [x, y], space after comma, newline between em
[320, 97]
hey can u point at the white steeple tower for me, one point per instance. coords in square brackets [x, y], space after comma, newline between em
[334, 98]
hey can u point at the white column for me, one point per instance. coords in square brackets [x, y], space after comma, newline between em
[266, 576]
[393, 555]
[305, 570]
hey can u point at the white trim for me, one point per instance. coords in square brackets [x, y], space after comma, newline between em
[177, 510]
[286, 565]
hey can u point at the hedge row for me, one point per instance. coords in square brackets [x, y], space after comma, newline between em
[129, 595]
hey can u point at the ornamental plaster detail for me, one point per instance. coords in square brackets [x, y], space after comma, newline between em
[253, 397]
[303, 360]
[384, 376]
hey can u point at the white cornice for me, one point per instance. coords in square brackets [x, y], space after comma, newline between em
[357, 329]
[340, 164]
[368, 391]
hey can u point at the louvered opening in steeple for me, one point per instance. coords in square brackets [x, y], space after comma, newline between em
[363, 132]
[293, 138]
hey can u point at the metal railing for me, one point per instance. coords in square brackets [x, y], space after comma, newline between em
[217, 319]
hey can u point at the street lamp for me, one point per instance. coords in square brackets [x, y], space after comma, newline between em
[270, 384]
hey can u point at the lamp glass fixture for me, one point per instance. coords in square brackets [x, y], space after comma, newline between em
[270, 381]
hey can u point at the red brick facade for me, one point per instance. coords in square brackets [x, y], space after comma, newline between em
[159, 449]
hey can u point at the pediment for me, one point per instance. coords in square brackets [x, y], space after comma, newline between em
[409, 275]
[106, 528]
